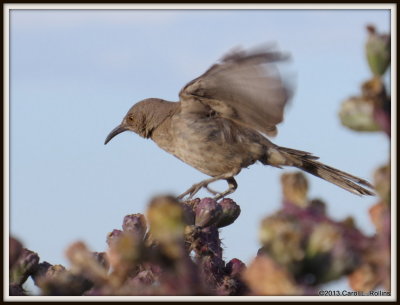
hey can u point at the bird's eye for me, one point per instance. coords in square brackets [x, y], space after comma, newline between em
[130, 118]
[212, 113]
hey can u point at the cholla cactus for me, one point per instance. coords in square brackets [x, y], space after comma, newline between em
[370, 111]
[175, 248]
[303, 245]
[23, 263]
[374, 271]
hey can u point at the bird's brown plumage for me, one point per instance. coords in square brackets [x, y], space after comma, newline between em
[220, 124]
[244, 87]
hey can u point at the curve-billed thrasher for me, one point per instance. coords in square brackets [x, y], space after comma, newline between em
[220, 124]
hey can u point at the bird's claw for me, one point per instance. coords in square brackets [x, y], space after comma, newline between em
[217, 195]
[197, 187]
[191, 191]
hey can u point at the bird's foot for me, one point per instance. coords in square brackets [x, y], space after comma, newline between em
[196, 187]
[191, 191]
[232, 187]
[223, 194]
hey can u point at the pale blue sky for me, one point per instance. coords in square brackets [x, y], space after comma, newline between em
[75, 73]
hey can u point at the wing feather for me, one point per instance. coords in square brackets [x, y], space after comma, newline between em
[245, 86]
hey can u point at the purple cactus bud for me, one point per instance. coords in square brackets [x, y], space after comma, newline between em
[207, 212]
[235, 267]
[230, 212]
[136, 224]
[16, 290]
[188, 214]
[41, 271]
[15, 249]
[24, 267]
[112, 236]
[317, 207]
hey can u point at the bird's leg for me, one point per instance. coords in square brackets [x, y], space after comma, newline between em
[210, 190]
[196, 187]
[232, 187]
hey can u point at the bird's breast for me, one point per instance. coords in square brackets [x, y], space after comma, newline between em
[212, 145]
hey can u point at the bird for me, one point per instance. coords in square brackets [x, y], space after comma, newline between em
[224, 120]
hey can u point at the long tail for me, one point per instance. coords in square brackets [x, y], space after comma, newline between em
[306, 161]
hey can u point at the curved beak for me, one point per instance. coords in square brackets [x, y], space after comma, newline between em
[114, 132]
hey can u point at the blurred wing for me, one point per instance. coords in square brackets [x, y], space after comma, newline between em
[245, 87]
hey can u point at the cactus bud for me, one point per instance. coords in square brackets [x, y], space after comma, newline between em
[208, 212]
[230, 212]
[377, 49]
[235, 267]
[24, 267]
[135, 224]
[112, 236]
[295, 188]
[357, 113]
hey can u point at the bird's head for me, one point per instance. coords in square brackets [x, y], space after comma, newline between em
[139, 119]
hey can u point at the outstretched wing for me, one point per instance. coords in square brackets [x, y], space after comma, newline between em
[245, 86]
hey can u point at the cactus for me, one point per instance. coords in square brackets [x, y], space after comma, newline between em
[370, 111]
[174, 248]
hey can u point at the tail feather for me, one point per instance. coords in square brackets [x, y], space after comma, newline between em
[305, 161]
[300, 153]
